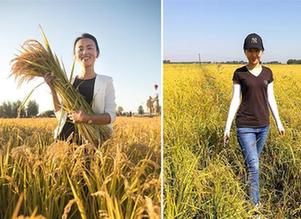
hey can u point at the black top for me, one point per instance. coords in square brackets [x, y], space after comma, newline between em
[86, 89]
[253, 110]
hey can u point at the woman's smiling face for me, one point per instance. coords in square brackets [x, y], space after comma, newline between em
[86, 52]
[253, 55]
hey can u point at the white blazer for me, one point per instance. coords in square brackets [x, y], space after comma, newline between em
[103, 102]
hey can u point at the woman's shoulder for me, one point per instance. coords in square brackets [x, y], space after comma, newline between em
[103, 77]
[266, 68]
[241, 69]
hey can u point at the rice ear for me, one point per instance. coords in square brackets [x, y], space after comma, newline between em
[44, 38]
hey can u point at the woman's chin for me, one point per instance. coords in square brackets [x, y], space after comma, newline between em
[87, 64]
[254, 62]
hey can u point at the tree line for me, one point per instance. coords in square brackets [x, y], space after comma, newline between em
[290, 61]
[294, 61]
[10, 109]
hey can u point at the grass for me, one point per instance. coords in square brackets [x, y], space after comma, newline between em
[60, 180]
[203, 178]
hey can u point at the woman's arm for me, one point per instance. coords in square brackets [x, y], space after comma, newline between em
[81, 116]
[235, 102]
[274, 108]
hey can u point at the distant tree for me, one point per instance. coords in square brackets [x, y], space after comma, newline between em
[32, 109]
[10, 109]
[48, 113]
[14, 109]
[6, 110]
[140, 110]
[119, 111]
[17, 111]
[272, 62]
[293, 61]
[1, 111]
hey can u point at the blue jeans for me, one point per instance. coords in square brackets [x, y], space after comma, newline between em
[251, 141]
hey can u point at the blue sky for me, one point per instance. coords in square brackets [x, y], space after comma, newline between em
[216, 29]
[128, 33]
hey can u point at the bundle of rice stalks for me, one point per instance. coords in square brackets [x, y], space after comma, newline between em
[35, 60]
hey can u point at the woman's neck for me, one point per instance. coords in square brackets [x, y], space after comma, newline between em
[253, 66]
[87, 73]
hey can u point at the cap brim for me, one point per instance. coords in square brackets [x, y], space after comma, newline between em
[254, 47]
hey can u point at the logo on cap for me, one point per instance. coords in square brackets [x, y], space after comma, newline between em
[254, 40]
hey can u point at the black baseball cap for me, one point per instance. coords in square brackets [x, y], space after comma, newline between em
[253, 41]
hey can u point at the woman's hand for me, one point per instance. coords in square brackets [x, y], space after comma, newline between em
[78, 116]
[281, 130]
[226, 137]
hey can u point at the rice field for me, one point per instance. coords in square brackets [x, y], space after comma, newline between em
[203, 178]
[40, 178]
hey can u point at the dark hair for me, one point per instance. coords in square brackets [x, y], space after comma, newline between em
[83, 36]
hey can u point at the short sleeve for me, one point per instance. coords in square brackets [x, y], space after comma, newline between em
[236, 78]
[271, 77]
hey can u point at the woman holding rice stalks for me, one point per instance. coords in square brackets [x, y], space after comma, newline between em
[84, 105]
[96, 89]
[254, 83]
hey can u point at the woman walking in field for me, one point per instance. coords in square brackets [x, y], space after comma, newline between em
[96, 89]
[252, 97]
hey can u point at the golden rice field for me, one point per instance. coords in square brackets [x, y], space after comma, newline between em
[43, 179]
[203, 178]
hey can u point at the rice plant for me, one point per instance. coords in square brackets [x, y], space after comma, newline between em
[40, 178]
